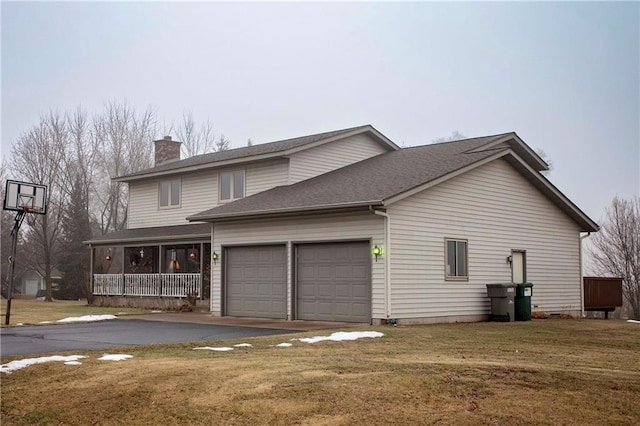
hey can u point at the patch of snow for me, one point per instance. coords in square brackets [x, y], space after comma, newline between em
[19, 323]
[156, 312]
[73, 363]
[243, 345]
[44, 322]
[342, 335]
[88, 318]
[209, 348]
[284, 345]
[634, 321]
[22, 363]
[114, 357]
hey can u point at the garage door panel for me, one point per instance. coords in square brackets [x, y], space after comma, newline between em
[333, 282]
[256, 283]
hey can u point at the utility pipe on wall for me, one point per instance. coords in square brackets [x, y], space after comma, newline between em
[387, 259]
[582, 314]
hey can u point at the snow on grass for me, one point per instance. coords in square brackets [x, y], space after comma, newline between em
[73, 363]
[633, 321]
[342, 335]
[114, 357]
[243, 345]
[22, 363]
[44, 322]
[284, 345]
[210, 348]
[88, 318]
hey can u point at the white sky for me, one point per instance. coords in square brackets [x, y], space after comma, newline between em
[564, 76]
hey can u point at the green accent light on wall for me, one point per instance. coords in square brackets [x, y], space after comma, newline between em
[377, 251]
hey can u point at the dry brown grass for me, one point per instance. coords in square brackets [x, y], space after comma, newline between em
[571, 372]
[32, 312]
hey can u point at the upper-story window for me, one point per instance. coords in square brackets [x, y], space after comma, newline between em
[231, 185]
[170, 193]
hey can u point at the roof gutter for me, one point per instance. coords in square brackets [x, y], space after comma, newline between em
[282, 212]
[147, 239]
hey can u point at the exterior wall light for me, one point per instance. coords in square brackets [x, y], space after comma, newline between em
[214, 257]
[377, 251]
[509, 259]
[108, 256]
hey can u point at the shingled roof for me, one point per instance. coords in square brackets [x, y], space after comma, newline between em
[378, 180]
[157, 233]
[367, 182]
[251, 153]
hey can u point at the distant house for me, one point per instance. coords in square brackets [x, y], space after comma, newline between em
[31, 281]
[346, 226]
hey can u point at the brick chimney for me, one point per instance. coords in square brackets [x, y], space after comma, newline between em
[166, 150]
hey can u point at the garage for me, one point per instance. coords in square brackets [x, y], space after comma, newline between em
[256, 281]
[333, 282]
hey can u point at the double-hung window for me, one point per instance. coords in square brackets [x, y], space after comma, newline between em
[456, 259]
[231, 185]
[169, 193]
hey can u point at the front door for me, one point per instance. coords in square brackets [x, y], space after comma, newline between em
[518, 267]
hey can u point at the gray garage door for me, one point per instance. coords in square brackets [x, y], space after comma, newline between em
[256, 281]
[334, 282]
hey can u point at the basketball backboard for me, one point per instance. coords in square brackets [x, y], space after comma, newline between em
[25, 196]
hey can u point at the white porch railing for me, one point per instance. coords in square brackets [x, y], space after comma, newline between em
[165, 285]
[107, 284]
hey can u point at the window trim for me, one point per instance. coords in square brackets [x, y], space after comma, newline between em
[447, 276]
[232, 185]
[170, 193]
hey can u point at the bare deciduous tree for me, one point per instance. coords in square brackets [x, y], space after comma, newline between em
[615, 250]
[38, 157]
[196, 141]
[454, 136]
[123, 137]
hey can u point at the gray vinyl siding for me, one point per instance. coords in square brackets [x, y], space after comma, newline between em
[363, 226]
[496, 210]
[263, 176]
[322, 159]
[199, 193]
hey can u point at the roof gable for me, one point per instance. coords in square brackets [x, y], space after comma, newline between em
[256, 152]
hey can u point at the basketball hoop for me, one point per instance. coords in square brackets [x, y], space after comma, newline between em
[22, 198]
[31, 209]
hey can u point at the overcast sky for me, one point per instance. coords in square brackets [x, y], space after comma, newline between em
[564, 76]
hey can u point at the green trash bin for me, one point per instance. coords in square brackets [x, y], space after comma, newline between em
[523, 301]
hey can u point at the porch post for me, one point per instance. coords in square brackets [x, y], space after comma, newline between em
[201, 271]
[160, 260]
[91, 282]
[123, 277]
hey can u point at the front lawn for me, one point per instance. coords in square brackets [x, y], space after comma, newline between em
[571, 372]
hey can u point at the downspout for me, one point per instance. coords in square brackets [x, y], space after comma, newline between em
[212, 267]
[582, 314]
[387, 260]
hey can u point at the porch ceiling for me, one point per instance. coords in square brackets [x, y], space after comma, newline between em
[155, 234]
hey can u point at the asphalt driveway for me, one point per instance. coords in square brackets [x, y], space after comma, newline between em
[117, 333]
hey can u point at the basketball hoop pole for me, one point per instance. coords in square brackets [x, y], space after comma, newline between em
[12, 261]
